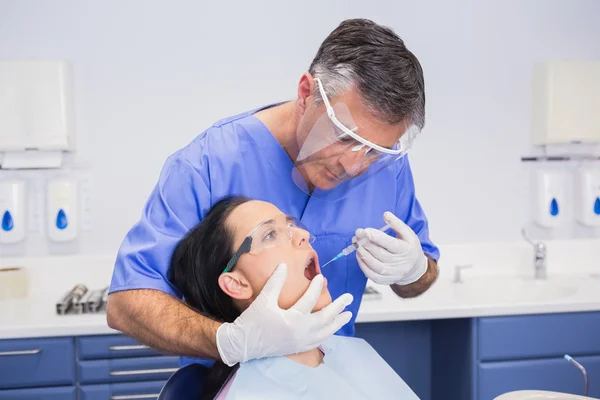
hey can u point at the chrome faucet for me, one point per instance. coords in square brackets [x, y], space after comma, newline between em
[457, 270]
[539, 260]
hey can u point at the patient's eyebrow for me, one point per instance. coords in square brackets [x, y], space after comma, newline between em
[271, 221]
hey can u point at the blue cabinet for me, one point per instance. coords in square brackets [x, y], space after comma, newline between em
[127, 369]
[37, 362]
[462, 359]
[53, 393]
[111, 346]
[108, 367]
[549, 335]
[121, 391]
[479, 359]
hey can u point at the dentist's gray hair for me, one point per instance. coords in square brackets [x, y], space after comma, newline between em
[360, 53]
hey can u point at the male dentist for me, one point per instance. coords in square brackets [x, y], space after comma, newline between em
[335, 157]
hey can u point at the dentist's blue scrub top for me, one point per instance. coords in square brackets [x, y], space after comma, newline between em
[239, 155]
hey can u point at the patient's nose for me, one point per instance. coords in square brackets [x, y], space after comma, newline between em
[299, 237]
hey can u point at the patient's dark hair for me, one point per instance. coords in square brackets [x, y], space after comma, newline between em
[196, 264]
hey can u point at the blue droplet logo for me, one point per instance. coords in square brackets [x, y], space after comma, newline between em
[61, 219]
[7, 221]
[597, 206]
[554, 208]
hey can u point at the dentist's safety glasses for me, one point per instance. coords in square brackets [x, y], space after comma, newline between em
[273, 232]
[335, 155]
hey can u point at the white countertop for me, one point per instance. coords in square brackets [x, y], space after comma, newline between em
[48, 279]
[487, 296]
[36, 317]
[500, 283]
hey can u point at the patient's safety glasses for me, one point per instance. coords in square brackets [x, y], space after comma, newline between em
[270, 233]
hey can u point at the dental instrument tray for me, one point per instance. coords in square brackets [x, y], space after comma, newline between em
[81, 300]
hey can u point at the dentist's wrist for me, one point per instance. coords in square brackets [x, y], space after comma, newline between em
[417, 271]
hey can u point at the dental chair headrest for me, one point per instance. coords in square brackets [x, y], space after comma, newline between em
[185, 384]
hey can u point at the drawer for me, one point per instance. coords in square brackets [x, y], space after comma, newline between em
[53, 393]
[121, 391]
[555, 374]
[37, 362]
[536, 336]
[111, 346]
[127, 369]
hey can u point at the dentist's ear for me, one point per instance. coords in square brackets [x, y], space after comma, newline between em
[235, 285]
[306, 88]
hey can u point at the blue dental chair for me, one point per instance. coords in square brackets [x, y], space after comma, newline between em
[185, 384]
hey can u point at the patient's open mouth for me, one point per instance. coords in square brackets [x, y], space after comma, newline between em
[311, 267]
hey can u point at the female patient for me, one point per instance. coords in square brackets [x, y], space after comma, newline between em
[223, 264]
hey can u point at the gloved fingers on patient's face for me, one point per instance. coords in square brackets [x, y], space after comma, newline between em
[404, 231]
[330, 312]
[275, 283]
[329, 330]
[346, 299]
[339, 322]
[309, 299]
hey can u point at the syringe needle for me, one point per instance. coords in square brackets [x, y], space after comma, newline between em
[352, 248]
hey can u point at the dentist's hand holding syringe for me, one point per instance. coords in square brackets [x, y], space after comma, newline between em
[387, 260]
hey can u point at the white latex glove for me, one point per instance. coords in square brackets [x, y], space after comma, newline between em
[265, 330]
[387, 260]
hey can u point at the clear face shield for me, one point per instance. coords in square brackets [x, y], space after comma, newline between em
[273, 232]
[334, 158]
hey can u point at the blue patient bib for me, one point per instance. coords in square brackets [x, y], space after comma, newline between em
[351, 370]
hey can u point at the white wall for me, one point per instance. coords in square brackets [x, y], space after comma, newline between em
[151, 75]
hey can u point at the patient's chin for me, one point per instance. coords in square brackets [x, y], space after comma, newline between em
[323, 301]
[294, 290]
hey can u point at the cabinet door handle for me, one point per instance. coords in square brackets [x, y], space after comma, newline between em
[20, 352]
[125, 348]
[134, 396]
[143, 371]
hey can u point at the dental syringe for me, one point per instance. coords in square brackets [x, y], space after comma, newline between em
[352, 248]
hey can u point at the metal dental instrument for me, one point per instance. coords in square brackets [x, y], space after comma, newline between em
[80, 305]
[94, 303]
[70, 298]
[105, 296]
[352, 248]
[64, 303]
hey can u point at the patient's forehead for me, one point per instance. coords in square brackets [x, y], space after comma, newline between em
[247, 216]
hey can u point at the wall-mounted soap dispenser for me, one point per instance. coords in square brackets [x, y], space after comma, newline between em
[12, 211]
[549, 199]
[587, 197]
[62, 219]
